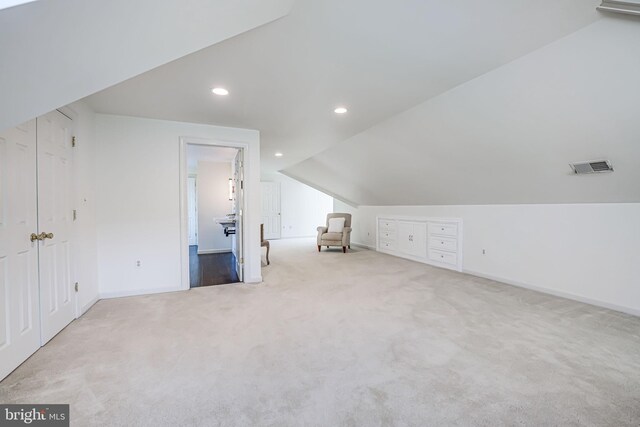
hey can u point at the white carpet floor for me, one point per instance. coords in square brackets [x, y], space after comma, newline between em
[332, 339]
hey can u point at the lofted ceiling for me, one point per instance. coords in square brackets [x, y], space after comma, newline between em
[506, 137]
[54, 52]
[377, 58]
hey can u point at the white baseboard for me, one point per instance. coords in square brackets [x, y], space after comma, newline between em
[136, 292]
[579, 298]
[88, 305]
[362, 245]
[253, 279]
[213, 251]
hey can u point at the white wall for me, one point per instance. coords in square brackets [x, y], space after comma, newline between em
[138, 210]
[212, 184]
[589, 252]
[303, 208]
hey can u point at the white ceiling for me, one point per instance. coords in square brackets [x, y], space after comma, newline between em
[508, 136]
[377, 58]
[54, 52]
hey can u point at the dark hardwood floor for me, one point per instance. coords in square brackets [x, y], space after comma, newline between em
[211, 269]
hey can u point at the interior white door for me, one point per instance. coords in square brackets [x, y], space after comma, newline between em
[238, 172]
[54, 219]
[19, 305]
[192, 206]
[271, 218]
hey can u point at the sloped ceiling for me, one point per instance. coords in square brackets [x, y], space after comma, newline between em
[54, 52]
[378, 58]
[506, 136]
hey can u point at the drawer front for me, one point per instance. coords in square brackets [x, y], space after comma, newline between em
[443, 229]
[443, 243]
[387, 245]
[387, 235]
[386, 225]
[443, 257]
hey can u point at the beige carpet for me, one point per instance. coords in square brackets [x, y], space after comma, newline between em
[329, 339]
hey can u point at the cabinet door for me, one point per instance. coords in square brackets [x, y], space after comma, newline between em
[419, 240]
[412, 239]
[405, 237]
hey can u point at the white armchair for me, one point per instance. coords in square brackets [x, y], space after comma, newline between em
[325, 238]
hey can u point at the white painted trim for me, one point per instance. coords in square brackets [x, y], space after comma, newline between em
[137, 292]
[214, 251]
[253, 280]
[88, 305]
[553, 292]
[184, 217]
[362, 245]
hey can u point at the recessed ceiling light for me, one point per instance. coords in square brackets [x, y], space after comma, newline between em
[220, 91]
[340, 110]
[279, 154]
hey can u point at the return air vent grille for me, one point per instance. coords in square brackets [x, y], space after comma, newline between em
[630, 7]
[591, 167]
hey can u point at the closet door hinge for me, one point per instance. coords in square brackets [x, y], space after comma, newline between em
[73, 141]
[76, 286]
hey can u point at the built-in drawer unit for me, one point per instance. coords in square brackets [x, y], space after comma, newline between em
[387, 234]
[443, 243]
[436, 241]
[387, 245]
[450, 258]
[443, 229]
[387, 225]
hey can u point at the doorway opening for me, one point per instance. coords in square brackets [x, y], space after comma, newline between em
[215, 206]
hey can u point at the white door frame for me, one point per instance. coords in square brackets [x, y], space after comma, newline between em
[184, 214]
[195, 205]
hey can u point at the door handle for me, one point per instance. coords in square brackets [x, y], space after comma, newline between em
[41, 236]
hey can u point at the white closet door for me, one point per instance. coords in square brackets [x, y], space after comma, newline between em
[271, 218]
[55, 217]
[19, 311]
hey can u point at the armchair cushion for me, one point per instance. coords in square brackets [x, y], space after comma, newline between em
[334, 237]
[336, 225]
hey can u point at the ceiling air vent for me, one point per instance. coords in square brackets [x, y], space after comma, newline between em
[591, 167]
[630, 7]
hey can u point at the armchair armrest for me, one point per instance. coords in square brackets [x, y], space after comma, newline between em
[321, 231]
[346, 236]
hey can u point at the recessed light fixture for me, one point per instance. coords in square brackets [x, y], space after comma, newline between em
[220, 91]
[340, 110]
[279, 154]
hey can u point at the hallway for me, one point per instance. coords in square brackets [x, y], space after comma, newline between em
[211, 269]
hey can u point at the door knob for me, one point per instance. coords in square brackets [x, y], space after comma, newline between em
[47, 236]
[34, 237]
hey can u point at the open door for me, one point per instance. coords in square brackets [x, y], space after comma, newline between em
[238, 177]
